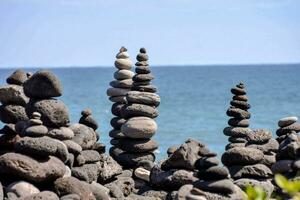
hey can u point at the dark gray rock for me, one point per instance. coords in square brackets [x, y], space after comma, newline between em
[87, 172]
[240, 97]
[27, 168]
[238, 113]
[288, 129]
[142, 77]
[71, 185]
[34, 131]
[42, 146]
[72, 146]
[142, 57]
[240, 104]
[238, 122]
[237, 131]
[266, 185]
[282, 166]
[214, 173]
[269, 159]
[84, 136]
[224, 186]
[125, 83]
[117, 122]
[109, 169]
[143, 98]
[233, 145]
[120, 188]
[237, 139]
[204, 163]
[88, 120]
[99, 191]
[13, 94]
[116, 109]
[271, 146]
[42, 85]
[238, 91]
[259, 136]
[250, 171]
[286, 121]
[8, 129]
[144, 88]
[142, 69]
[18, 77]
[135, 146]
[242, 155]
[11, 114]
[87, 156]
[135, 110]
[117, 134]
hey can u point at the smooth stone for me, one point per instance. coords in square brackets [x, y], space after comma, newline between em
[238, 113]
[240, 97]
[136, 110]
[70, 197]
[288, 129]
[42, 146]
[88, 172]
[37, 171]
[171, 179]
[204, 163]
[45, 195]
[123, 54]
[142, 57]
[109, 169]
[99, 191]
[142, 63]
[135, 146]
[117, 134]
[267, 186]
[271, 146]
[237, 131]
[123, 74]
[62, 133]
[238, 91]
[35, 131]
[143, 98]
[242, 155]
[238, 122]
[240, 104]
[142, 173]
[88, 156]
[42, 85]
[237, 139]
[118, 99]
[89, 121]
[22, 189]
[142, 77]
[126, 83]
[84, 136]
[72, 146]
[54, 112]
[286, 121]
[224, 186]
[250, 171]
[185, 156]
[140, 83]
[116, 109]
[142, 69]
[139, 128]
[112, 92]
[213, 173]
[282, 166]
[144, 88]
[122, 63]
[11, 114]
[233, 145]
[72, 185]
[33, 122]
[13, 94]
[117, 122]
[129, 160]
[259, 136]
[18, 77]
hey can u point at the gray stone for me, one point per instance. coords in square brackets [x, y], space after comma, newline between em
[286, 121]
[18, 77]
[123, 74]
[117, 122]
[288, 129]
[62, 133]
[238, 91]
[118, 99]
[54, 112]
[70, 197]
[242, 155]
[35, 131]
[45, 195]
[259, 136]
[37, 171]
[87, 172]
[238, 113]
[224, 186]
[213, 173]
[72, 146]
[99, 191]
[11, 114]
[204, 163]
[282, 166]
[13, 94]
[125, 83]
[233, 145]
[123, 63]
[237, 131]
[238, 122]
[88, 156]
[113, 92]
[240, 104]
[250, 171]
[271, 146]
[142, 77]
[116, 108]
[109, 169]
[139, 128]
[135, 146]
[237, 139]
[269, 160]
[84, 136]
[143, 98]
[144, 88]
[21, 189]
[121, 187]
[136, 110]
[117, 134]
[142, 69]
[267, 186]
[240, 97]
[43, 84]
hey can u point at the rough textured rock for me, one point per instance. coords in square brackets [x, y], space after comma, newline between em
[109, 168]
[42, 85]
[242, 155]
[84, 135]
[135, 146]
[221, 186]
[45, 195]
[259, 136]
[11, 114]
[87, 172]
[18, 77]
[13, 94]
[250, 171]
[266, 185]
[147, 98]
[286, 121]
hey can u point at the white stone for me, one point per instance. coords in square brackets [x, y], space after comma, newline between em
[142, 173]
[122, 63]
[22, 189]
[287, 121]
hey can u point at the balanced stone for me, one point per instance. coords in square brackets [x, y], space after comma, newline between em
[259, 136]
[286, 121]
[117, 122]
[18, 77]
[125, 83]
[62, 133]
[271, 146]
[117, 108]
[88, 156]
[72, 146]
[206, 162]
[147, 98]
[142, 77]
[87, 172]
[221, 186]
[35, 131]
[135, 110]
[13, 94]
[242, 155]
[123, 74]
[144, 88]
[118, 99]
[117, 134]
[238, 113]
[250, 171]
[282, 166]
[87, 119]
[43, 84]
[139, 128]
[237, 131]
[214, 172]
[238, 122]
[11, 114]
[123, 63]
[288, 129]
[83, 135]
[240, 97]
[112, 92]
[240, 104]
[135, 146]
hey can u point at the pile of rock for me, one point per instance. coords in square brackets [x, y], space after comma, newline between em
[288, 155]
[251, 153]
[117, 93]
[135, 147]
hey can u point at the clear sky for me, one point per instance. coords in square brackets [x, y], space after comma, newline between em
[90, 32]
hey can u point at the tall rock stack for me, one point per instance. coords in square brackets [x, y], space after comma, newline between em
[136, 147]
[117, 93]
[251, 152]
[288, 155]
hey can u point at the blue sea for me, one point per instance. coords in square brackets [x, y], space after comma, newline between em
[194, 99]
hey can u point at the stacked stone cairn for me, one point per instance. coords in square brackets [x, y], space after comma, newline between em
[136, 147]
[251, 153]
[288, 155]
[117, 93]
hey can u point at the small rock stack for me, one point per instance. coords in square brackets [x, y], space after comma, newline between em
[117, 93]
[136, 147]
[251, 153]
[288, 155]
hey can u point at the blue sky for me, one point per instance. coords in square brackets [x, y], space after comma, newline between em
[90, 32]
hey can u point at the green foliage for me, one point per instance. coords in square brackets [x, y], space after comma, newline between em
[255, 193]
[291, 187]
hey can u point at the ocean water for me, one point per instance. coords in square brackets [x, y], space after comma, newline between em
[194, 99]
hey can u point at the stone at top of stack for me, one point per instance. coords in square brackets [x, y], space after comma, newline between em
[288, 155]
[136, 147]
